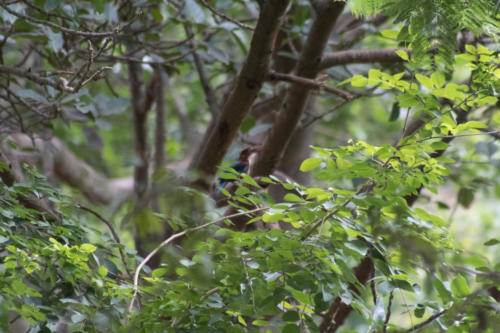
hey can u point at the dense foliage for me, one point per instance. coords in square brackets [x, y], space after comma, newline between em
[344, 221]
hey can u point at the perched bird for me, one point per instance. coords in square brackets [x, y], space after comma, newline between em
[241, 165]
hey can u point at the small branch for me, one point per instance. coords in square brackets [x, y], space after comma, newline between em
[35, 78]
[427, 322]
[166, 61]
[160, 122]
[170, 239]
[113, 232]
[388, 314]
[372, 286]
[202, 73]
[310, 83]
[361, 56]
[225, 17]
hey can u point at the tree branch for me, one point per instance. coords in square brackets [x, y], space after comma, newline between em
[296, 99]
[361, 56]
[224, 16]
[210, 97]
[245, 90]
[310, 83]
[428, 321]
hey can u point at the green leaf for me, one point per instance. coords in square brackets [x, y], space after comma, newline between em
[392, 34]
[402, 54]
[291, 316]
[424, 80]
[292, 197]
[291, 328]
[492, 242]
[260, 323]
[89, 248]
[459, 286]
[475, 124]
[465, 196]
[159, 272]
[310, 164]
[247, 124]
[98, 5]
[359, 81]
[444, 293]
[438, 79]
[103, 271]
[242, 321]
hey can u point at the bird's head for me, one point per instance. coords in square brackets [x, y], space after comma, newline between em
[245, 153]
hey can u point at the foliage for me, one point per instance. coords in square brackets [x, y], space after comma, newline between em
[50, 274]
[298, 259]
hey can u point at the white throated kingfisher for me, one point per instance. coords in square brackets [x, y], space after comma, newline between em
[241, 165]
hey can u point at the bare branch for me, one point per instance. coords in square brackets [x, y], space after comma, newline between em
[60, 85]
[388, 313]
[160, 122]
[113, 232]
[225, 17]
[361, 56]
[202, 73]
[310, 83]
[428, 321]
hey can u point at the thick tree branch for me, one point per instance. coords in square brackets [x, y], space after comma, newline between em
[245, 90]
[160, 122]
[296, 98]
[72, 170]
[141, 103]
[361, 56]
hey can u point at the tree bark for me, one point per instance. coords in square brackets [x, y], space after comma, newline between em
[296, 98]
[245, 90]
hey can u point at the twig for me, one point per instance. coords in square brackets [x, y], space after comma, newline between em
[458, 135]
[210, 97]
[372, 286]
[427, 322]
[35, 78]
[361, 56]
[225, 17]
[113, 232]
[171, 238]
[311, 83]
[388, 314]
